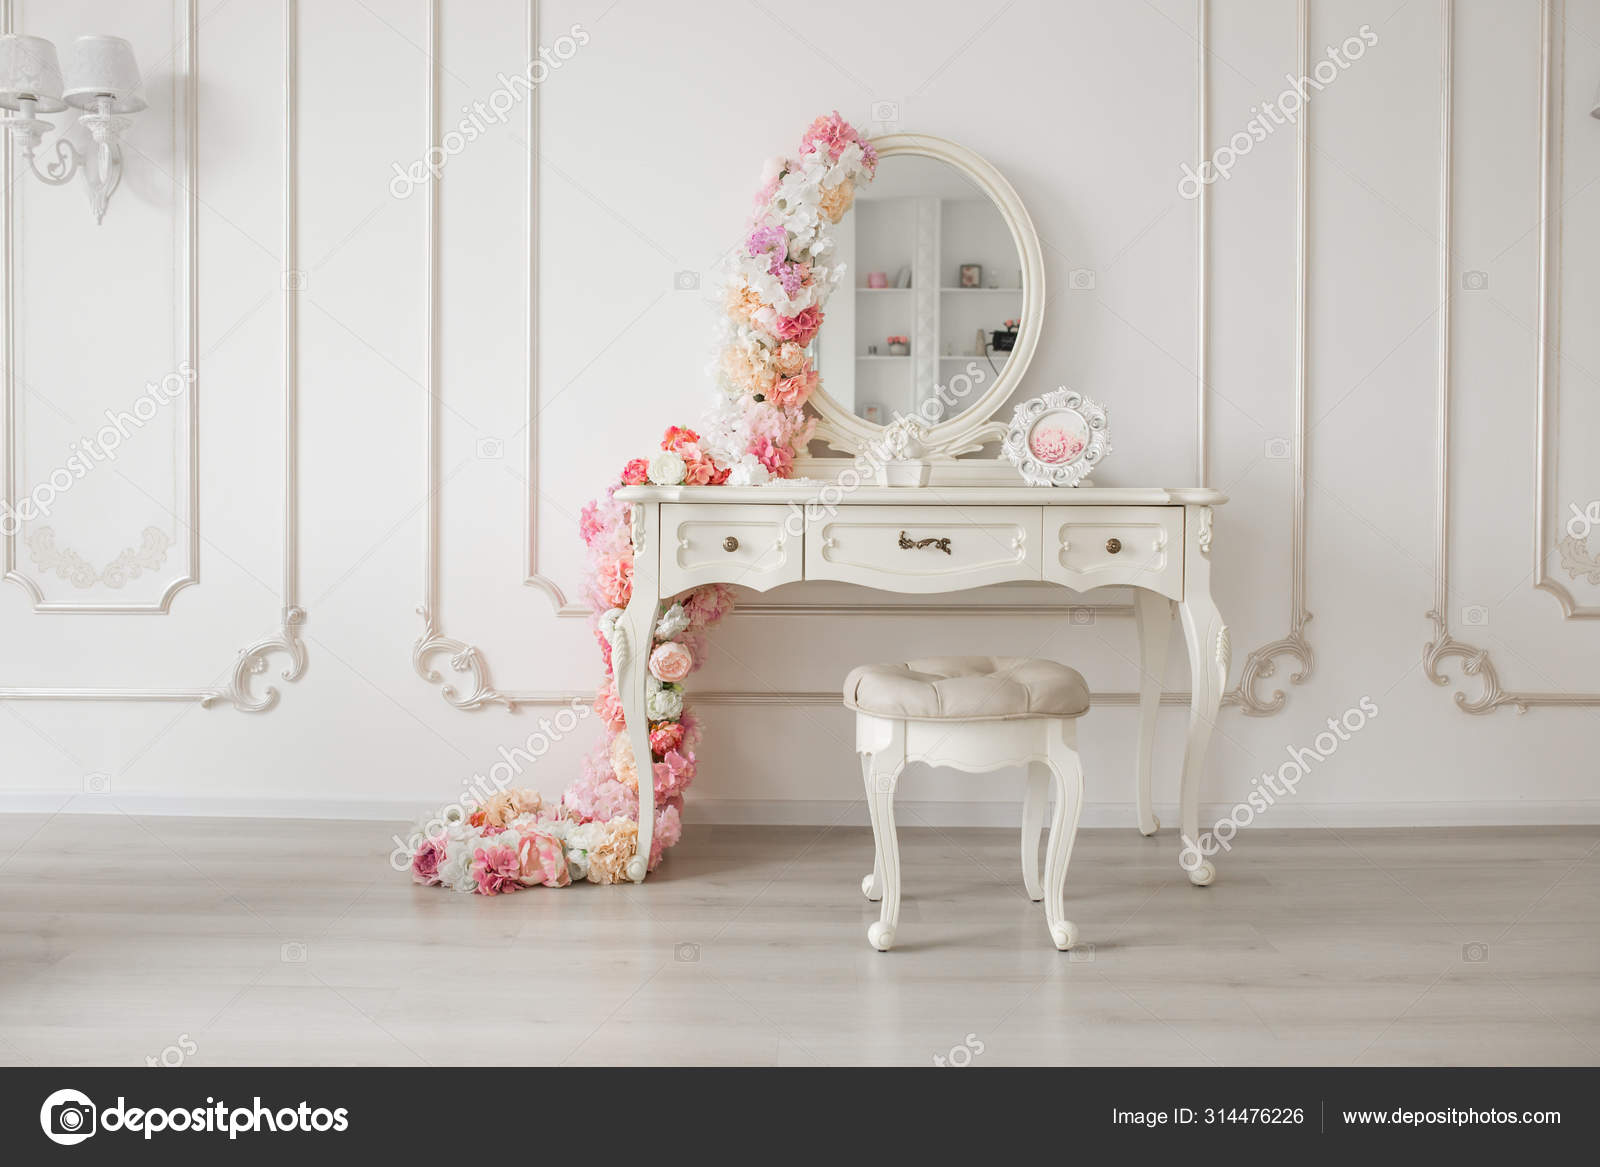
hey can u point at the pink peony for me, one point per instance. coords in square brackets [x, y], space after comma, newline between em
[608, 705]
[669, 829]
[793, 392]
[801, 327]
[636, 473]
[671, 662]
[708, 605]
[1054, 444]
[425, 863]
[666, 736]
[777, 459]
[673, 774]
[703, 471]
[496, 870]
[543, 860]
[613, 579]
[829, 133]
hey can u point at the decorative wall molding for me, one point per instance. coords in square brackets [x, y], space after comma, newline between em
[130, 563]
[1575, 558]
[1475, 662]
[469, 661]
[188, 418]
[252, 660]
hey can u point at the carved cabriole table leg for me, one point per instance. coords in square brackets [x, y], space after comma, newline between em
[630, 658]
[1154, 612]
[1209, 658]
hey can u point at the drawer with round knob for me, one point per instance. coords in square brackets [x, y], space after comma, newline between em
[1091, 547]
[754, 546]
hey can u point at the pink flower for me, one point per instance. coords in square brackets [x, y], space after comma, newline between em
[608, 705]
[706, 606]
[666, 736]
[830, 133]
[793, 392]
[622, 764]
[673, 774]
[671, 662]
[801, 327]
[669, 829]
[636, 473]
[425, 863]
[681, 440]
[702, 471]
[1054, 444]
[771, 175]
[614, 581]
[496, 870]
[771, 241]
[543, 860]
[777, 459]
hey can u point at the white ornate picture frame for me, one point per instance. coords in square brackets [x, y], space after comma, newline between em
[1057, 439]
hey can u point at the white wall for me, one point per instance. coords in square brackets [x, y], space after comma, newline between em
[650, 140]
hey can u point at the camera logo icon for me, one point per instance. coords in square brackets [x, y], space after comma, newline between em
[98, 782]
[1278, 449]
[1475, 616]
[292, 952]
[686, 281]
[294, 280]
[886, 111]
[1081, 279]
[1081, 616]
[1474, 281]
[686, 953]
[1477, 952]
[68, 1117]
[490, 449]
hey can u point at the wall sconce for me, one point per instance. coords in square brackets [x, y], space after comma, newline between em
[102, 80]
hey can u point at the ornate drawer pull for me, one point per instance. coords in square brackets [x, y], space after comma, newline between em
[730, 544]
[917, 544]
[1113, 545]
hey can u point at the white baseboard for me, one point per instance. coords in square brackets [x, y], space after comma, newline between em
[820, 812]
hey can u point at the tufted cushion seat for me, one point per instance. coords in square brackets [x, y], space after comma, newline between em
[967, 688]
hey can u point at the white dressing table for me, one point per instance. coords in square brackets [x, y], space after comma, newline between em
[928, 539]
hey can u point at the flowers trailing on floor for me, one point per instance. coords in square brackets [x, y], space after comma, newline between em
[778, 280]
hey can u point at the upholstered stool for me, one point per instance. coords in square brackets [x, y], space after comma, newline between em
[976, 713]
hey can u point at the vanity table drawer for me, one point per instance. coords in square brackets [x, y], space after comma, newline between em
[1093, 547]
[747, 545]
[925, 549]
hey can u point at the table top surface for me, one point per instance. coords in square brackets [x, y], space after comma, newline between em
[802, 491]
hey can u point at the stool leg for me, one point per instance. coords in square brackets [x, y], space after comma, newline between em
[1068, 771]
[880, 771]
[1033, 800]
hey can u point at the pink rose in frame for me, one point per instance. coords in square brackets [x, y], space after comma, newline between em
[671, 662]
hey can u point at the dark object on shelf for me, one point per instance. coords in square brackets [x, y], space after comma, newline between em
[1004, 340]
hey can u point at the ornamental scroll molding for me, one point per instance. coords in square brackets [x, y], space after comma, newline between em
[1475, 661]
[253, 661]
[130, 563]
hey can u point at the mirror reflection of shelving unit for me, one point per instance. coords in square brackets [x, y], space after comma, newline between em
[923, 216]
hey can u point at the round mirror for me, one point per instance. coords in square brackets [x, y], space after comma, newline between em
[940, 310]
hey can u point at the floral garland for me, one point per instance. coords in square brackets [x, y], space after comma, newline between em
[777, 282]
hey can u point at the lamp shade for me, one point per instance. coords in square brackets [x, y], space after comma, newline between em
[103, 66]
[29, 71]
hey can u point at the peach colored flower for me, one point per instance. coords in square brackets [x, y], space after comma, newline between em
[741, 303]
[671, 662]
[503, 806]
[608, 861]
[790, 359]
[543, 860]
[622, 764]
[746, 374]
[793, 392]
[614, 581]
[836, 200]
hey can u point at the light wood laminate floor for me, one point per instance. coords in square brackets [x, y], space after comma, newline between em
[238, 941]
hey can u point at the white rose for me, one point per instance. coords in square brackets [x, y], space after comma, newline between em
[667, 469]
[608, 623]
[665, 704]
[456, 870]
[673, 621]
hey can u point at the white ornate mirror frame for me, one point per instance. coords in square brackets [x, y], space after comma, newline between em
[943, 441]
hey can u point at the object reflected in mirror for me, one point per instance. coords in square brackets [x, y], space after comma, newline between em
[892, 343]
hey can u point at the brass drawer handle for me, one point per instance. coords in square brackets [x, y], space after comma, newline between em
[730, 544]
[1113, 545]
[917, 544]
